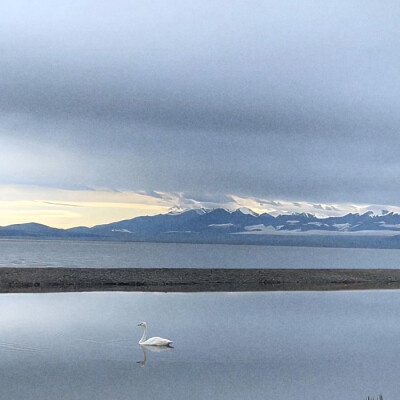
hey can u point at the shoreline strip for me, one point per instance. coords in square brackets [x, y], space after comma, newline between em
[49, 280]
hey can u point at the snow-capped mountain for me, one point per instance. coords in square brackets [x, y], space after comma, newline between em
[244, 221]
[220, 225]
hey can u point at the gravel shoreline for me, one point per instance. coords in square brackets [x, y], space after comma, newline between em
[45, 280]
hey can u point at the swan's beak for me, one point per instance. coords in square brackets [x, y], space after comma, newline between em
[139, 324]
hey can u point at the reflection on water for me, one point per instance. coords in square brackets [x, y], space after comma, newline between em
[152, 349]
[289, 345]
[76, 254]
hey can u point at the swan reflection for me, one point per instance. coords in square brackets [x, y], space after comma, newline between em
[153, 349]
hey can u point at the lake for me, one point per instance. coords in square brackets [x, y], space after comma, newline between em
[55, 253]
[270, 345]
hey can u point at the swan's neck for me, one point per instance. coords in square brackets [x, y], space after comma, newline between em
[143, 338]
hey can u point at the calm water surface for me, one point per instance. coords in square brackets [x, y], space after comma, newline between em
[277, 345]
[47, 253]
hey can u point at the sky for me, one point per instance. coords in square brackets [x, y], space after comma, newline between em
[110, 110]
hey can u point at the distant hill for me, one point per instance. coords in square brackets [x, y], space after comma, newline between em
[31, 229]
[239, 227]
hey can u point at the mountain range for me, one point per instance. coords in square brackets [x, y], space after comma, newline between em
[242, 226]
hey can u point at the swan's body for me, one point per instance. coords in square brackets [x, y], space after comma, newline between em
[154, 341]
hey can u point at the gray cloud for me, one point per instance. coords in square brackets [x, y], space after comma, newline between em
[61, 204]
[290, 100]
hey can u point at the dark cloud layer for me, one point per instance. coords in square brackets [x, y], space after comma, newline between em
[291, 99]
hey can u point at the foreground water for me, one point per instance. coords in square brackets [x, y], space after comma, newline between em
[282, 345]
[54, 253]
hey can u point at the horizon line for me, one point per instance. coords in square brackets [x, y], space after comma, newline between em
[209, 210]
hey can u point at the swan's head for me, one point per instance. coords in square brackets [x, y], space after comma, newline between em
[142, 324]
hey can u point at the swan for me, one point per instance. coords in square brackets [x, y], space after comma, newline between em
[154, 341]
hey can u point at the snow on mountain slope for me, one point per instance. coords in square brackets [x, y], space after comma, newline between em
[220, 221]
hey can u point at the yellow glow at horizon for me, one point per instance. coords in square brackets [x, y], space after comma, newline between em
[69, 208]
[61, 208]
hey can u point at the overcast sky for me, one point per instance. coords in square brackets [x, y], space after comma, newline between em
[291, 100]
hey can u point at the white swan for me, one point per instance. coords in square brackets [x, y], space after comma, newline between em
[154, 341]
